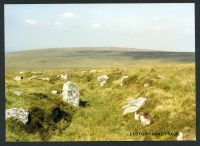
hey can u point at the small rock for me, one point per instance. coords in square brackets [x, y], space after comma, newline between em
[18, 93]
[134, 105]
[71, 93]
[18, 78]
[146, 85]
[137, 116]
[102, 79]
[22, 72]
[159, 76]
[122, 79]
[63, 77]
[18, 113]
[54, 92]
[44, 79]
[180, 136]
[144, 121]
[93, 71]
[33, 77]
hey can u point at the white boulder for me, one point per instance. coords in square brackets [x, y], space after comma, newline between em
[18, 113]
[71, 93]
[134, 105]
[122, 79]
[18, 78]
[102, 79]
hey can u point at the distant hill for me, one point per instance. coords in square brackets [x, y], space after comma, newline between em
[91, 57]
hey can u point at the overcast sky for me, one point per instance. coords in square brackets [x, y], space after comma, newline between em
[167, 27]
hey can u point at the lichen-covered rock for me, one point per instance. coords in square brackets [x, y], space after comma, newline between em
[134, 105]
[18, 113]
[102, 79]
[18, 78]
[71, 93]
[122, 79]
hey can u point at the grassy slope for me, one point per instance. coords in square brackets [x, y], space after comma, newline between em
[43, 59]
[170, 106]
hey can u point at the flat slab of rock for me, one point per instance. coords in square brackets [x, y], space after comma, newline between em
[33, 77]
[71, 93]
[134, 105]
[44, 79]
[18, 78]
[18, 113]
[93, 71]
[102, 79]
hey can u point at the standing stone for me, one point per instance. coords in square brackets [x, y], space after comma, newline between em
[18, 78]
[71, 94]
[18, 113]
[102, 79]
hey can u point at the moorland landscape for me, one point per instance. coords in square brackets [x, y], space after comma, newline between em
[118, 92]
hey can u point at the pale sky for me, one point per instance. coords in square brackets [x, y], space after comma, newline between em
[163, 27]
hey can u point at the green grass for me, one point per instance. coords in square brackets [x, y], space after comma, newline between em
[170, 103]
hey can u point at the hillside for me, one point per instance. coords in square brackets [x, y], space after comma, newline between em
[102, 57]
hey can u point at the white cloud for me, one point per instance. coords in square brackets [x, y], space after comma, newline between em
[57, 24]
[31, 22]
[158, 27]
[68, 15]
[96, 25]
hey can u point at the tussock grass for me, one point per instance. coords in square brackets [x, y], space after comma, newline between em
[170, 104]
